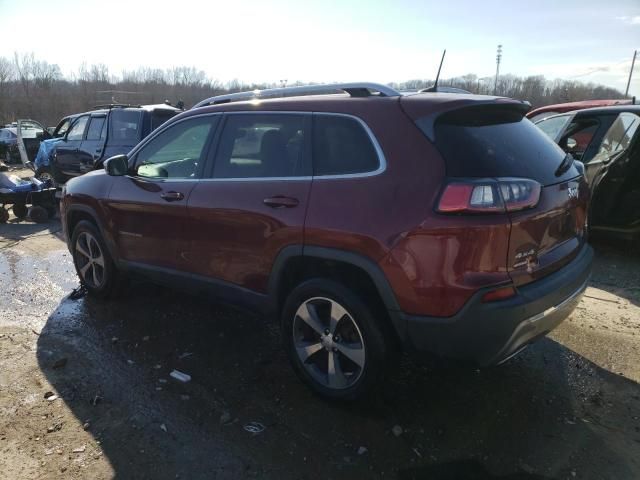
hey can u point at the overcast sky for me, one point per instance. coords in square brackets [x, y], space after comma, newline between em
[330, 40]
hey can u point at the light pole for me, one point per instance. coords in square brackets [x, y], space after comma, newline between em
[633, 63]
[498, 59]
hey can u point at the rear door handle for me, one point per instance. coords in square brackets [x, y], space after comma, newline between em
[172, 196]
[280, 201]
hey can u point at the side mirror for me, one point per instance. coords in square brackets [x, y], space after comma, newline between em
[117, 166]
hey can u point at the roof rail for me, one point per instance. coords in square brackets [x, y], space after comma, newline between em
[114, 105]
[354, 89]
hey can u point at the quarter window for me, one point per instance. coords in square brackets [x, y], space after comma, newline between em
[176, 152]
[77, 130]
[261, 145]
[342, 146]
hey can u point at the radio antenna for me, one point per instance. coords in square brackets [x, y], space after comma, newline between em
[434, 87]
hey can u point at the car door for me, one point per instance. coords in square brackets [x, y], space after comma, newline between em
[66, 156]
[148, 207]
[91, 147]
[617, 176]
[253, 202]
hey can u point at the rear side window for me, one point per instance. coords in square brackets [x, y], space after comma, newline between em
[125, 127]
[261, 145]
[158, 117]
[341, 146]
[96, 126]
[497, 142]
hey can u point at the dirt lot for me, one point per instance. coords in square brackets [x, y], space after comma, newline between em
[568, 407]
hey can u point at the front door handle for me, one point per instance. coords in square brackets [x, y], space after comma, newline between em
[172, 196]
[280, 201]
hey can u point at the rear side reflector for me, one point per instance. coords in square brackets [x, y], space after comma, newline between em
[499, 294]
[489, 195]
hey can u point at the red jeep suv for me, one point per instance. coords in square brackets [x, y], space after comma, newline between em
[367, 221]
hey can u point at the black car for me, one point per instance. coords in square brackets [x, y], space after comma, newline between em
[606, 141]
[94, 136]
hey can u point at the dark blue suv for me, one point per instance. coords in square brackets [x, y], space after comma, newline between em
[94, 136]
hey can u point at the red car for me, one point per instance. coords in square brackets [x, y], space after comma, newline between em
[367, 222]
[549, 110]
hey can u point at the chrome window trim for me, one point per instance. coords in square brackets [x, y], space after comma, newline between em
[382, 161]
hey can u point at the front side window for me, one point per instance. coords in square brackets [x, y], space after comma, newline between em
[578, 136]
[178, 151]
[619, 135]
[62, 128]
[341, 146]
[261, 145]
[96, 128]
[77, 130]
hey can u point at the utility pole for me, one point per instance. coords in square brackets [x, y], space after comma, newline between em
[633, 62]
[498, 59]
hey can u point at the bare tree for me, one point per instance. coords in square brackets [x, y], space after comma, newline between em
[33, 88]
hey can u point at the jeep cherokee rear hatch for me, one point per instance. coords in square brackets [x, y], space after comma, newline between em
[499, 163]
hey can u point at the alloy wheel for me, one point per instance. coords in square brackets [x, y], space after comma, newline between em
[328, 343]
[90, 260]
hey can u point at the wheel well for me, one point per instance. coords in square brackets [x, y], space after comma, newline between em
[76, 216]
[299, 269]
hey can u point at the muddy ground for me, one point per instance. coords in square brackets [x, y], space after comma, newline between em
[568, 407]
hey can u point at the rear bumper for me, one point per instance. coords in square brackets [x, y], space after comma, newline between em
[490, 333]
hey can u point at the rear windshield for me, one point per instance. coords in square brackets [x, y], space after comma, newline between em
[497, 142]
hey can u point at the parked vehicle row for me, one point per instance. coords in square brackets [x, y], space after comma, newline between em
[83, 141]
[367, 222]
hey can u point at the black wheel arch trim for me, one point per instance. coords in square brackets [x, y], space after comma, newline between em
[371, 268]
[108, 239]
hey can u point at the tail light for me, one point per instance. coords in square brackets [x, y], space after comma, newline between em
[489, 195]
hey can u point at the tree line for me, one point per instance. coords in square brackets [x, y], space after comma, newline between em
[33, 88]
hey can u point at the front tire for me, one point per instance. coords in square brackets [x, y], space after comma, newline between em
[93, 263]
[333, 340]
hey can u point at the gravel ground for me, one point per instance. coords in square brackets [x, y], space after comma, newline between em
[568, 407]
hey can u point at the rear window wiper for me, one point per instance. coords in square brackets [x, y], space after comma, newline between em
[565, 165]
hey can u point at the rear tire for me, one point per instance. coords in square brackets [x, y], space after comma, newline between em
[93, 263]
[334, 342]
[4, 215]
[20, 210]
[38, 214]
